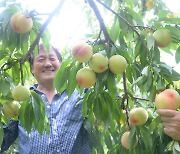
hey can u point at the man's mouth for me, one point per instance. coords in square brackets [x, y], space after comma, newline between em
[48, 70]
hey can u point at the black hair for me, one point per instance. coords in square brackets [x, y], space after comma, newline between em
[41, 46]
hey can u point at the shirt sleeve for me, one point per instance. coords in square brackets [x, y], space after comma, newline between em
[10, 134]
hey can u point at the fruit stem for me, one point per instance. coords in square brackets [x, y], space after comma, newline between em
[21, 74]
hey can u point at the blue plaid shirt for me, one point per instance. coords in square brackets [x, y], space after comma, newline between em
[67, 134]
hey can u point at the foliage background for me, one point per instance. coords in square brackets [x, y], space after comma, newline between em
[128, 32]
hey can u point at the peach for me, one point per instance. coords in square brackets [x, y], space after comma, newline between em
[86, 77]
[82, 52]
[168, 99]
[21, 23]
[149, 4]
[117, 64]
[125, 140]
[99, 63]
[20, 93]
[162, 38]
[11, 109]
[138, 116]
[170, 15]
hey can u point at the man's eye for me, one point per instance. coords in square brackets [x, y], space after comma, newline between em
[40, 59]
[52, 59]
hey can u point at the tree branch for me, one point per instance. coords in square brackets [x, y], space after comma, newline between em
[36, 41]
[100, 19]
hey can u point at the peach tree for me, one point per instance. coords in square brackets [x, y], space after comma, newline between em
[118, 71]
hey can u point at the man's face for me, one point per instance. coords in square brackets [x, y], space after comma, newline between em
[45, 66]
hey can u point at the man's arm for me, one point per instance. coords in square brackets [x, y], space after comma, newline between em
[10, 134]
[171, 121]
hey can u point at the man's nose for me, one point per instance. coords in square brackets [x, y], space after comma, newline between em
[48, 63]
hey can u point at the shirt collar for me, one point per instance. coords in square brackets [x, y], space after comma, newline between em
[34, 87]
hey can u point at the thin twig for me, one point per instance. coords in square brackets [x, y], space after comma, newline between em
[126, 97]
[144, 27]
[131, 26]
[21, 74]
[98, 38]
[137, 98]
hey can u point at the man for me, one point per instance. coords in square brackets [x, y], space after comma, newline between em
[67, 134]
[171, 122]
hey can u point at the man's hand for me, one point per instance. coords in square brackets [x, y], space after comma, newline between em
[171, 121]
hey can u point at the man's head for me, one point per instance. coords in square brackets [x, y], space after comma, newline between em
[45, 64]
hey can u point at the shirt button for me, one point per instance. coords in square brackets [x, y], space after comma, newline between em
[48, 106]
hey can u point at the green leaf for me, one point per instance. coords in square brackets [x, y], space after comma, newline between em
[176, 146]
[165, 68]
[114, 33]
[150, 41]
[138, 48]
[177, 55]
[97, 109]
[132, 137]
[105, 110]
[136, 17]
[16, 74]
[108, 140]
[5, 86]
[111, 85]
[170, 20]
[26, 115]
[24, 41]
[36, 103]
[175, 32]
[143, 55]
[146, 137]
[41, 120]
[91, 100]
[155, 54]
[46, 39]
[71, 85]
[140, 80]
[62, 74]
[1, 134]
[129, 74]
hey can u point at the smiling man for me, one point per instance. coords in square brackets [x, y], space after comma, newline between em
[67, 134]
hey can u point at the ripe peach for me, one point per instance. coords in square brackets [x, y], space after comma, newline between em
[117, 64]
[167, 99]
[82, 52]
[162, 38]
[21, 23]
[99, 63]
[125, 139]
[11, 109]
[86, 77]
[138, 116]
[20, 93]
[150, 4]
[170, 15]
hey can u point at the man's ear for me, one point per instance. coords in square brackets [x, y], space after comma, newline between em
[31, 70]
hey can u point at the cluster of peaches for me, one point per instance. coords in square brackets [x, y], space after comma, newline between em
[167, 99]
[86, 77]
[11, 108]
